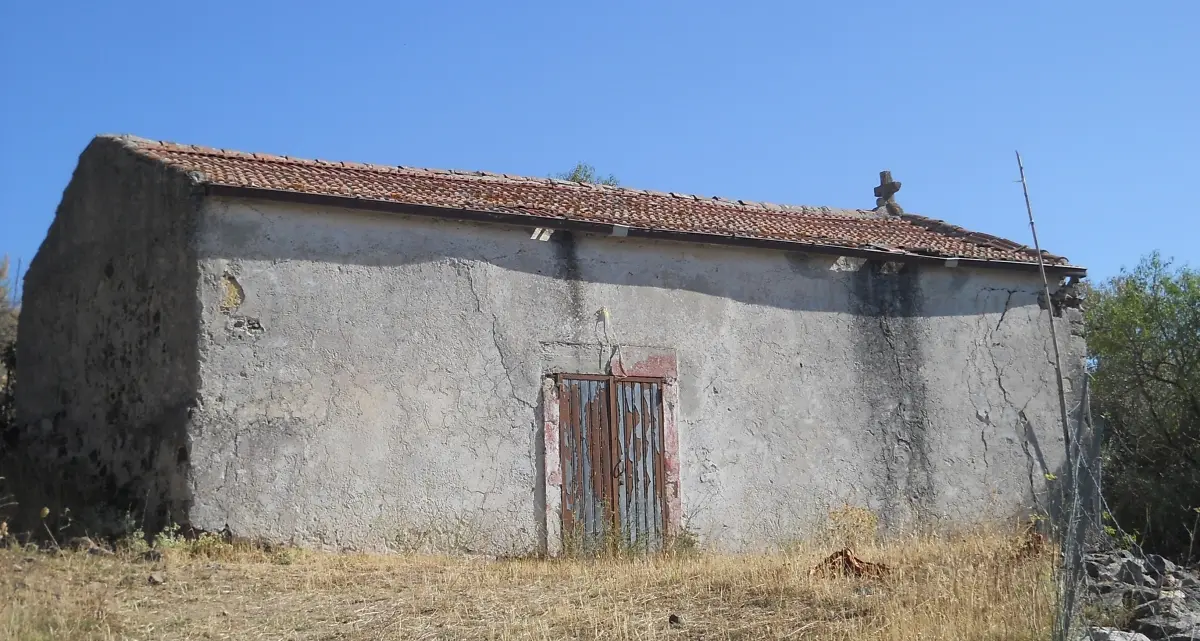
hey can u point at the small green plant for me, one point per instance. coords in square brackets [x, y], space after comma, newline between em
[1192, 531]
[1124, 540]
[133, 540]
[133, 543]
[286, 556]
[171, 540]
[169, 537]
[62, 523]
[208, 545]
[683, 543]
[582, 172]
[1110, 615]
[6, 501]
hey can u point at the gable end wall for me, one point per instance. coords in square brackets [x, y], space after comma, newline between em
[107, 365]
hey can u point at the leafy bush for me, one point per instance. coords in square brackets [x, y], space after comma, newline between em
[8, 366]
[8, 341]
[1143, 335]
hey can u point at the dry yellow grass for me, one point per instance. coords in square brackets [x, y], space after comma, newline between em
[968, 587]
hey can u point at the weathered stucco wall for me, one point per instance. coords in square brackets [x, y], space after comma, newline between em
[376, 380]
[107, 359]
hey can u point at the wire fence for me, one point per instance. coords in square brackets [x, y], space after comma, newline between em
[1087, 525]
[1080, 515]
[1080, 520]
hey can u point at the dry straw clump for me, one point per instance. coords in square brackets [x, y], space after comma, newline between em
[976, 585]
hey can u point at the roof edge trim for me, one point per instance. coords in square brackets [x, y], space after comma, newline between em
[565, 224]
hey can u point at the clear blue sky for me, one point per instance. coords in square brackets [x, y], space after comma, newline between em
[793, 102]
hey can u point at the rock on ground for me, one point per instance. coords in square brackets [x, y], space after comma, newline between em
[1162, 599]
[1113, 634]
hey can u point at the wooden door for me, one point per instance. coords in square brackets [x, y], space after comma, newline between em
[613, 466]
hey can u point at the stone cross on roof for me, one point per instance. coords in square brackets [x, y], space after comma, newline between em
[885, 193]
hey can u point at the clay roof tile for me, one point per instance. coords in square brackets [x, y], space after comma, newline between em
[548, 197]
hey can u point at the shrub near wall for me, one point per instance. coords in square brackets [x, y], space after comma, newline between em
[1143, 334]
[8, 365]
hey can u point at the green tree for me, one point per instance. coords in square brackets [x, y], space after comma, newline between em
[8, 303]
[585, 173]
[1143, 336]
[8, 363]
[8, 342]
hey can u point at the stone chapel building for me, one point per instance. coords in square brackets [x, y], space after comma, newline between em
[348, 355]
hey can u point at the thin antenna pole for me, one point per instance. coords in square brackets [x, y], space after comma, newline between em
[1063, 620]
[1062, 397]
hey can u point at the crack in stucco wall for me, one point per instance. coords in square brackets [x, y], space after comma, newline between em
[469, 271]
[1004, 310]
[998, 355]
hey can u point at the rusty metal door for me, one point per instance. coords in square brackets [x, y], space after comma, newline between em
[613, 466]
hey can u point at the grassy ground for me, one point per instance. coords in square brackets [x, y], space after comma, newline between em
[974, 586]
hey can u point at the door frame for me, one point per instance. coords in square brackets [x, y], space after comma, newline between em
[552, 518]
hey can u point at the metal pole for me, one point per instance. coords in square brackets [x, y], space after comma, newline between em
[1067, 587]
[1062, 397]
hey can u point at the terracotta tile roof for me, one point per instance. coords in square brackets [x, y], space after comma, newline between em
[556, 199]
